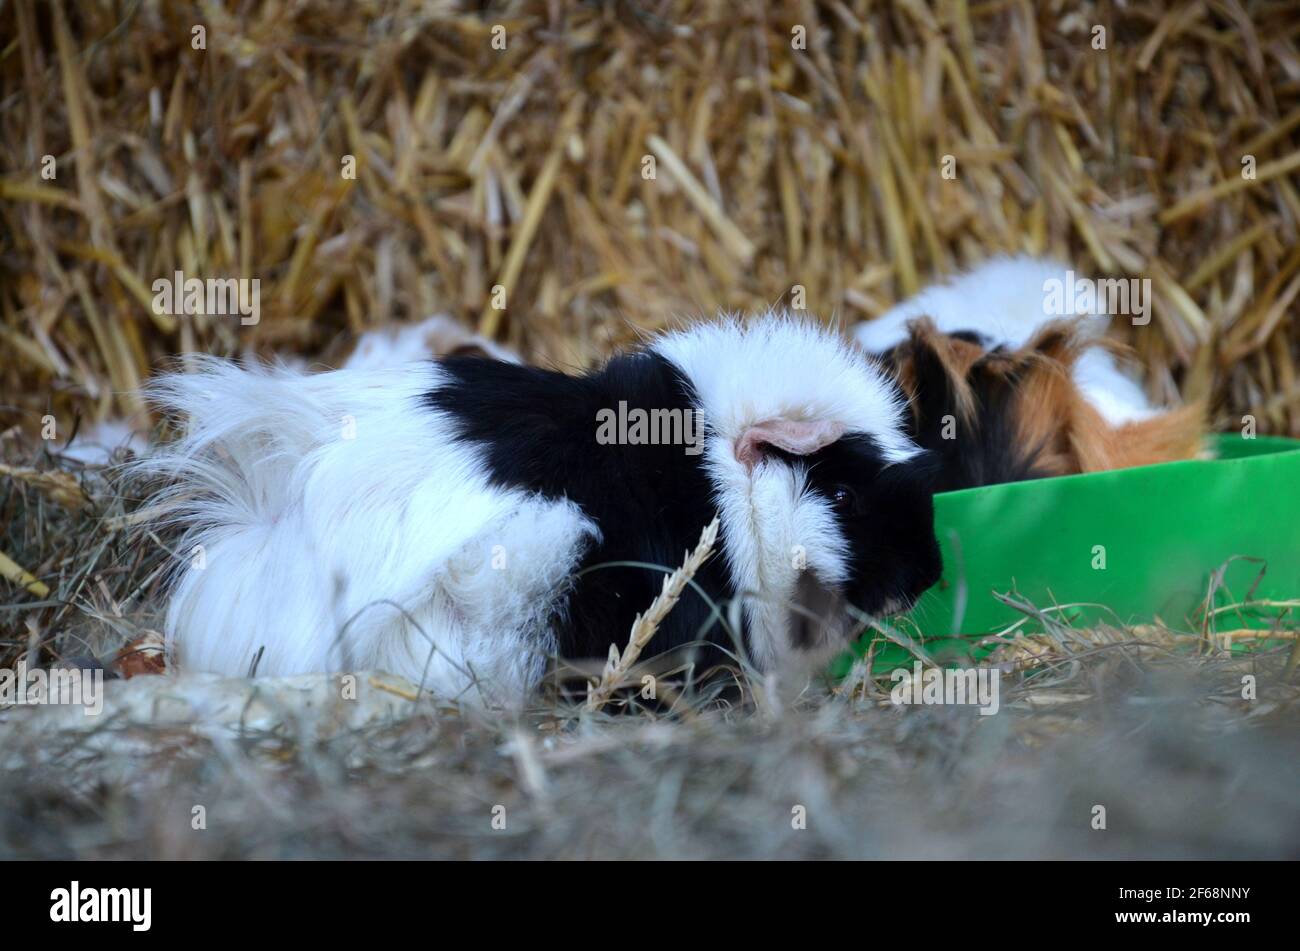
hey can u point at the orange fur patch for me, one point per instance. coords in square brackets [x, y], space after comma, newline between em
[1177, 434]
[1063, 433]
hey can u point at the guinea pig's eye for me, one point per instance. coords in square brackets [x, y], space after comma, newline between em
[846, 500]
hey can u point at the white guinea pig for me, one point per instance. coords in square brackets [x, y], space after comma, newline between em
[448, 520]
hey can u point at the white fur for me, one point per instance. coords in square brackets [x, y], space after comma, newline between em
[435, 336]
[337, 516]
[317, 498]
[1003, 299]
[780, 368]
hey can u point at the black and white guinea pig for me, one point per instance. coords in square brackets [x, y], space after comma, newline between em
[447, 520]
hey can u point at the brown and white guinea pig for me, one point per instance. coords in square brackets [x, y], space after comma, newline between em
[1001, 391]
[449, 520]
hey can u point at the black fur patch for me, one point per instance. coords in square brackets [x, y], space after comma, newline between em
[972, 336]
[986, 451]
[651, 502]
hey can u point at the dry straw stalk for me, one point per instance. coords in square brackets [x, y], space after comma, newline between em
[645, 625]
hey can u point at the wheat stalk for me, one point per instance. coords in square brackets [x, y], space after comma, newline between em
[645, 625]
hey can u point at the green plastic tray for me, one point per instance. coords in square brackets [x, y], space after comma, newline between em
[1160, 531]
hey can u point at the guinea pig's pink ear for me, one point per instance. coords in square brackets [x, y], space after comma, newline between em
[797, 436]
